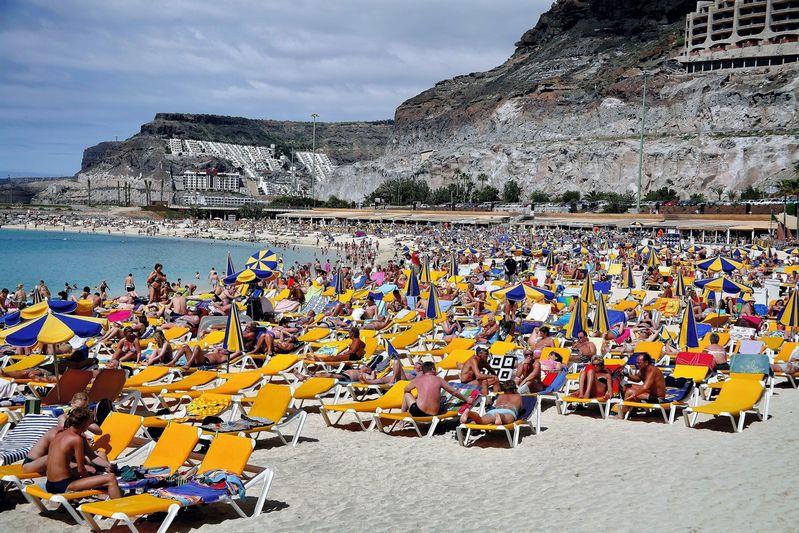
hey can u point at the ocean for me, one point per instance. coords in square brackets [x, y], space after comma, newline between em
[87, 259]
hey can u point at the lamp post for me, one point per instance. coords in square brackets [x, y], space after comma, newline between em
[314, 116]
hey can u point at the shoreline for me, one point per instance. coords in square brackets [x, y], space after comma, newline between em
[277, 240]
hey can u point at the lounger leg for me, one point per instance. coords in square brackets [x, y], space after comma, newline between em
[71, 510]
[433, 426]
[510, 437]
[741, 421]
[170, 516]
[298, 432]
[686, 414]
[324, 415]
[672, 413]
[90, 521]
[537, 428]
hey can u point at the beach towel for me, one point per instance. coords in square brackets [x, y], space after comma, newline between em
[204, 488]
[138, 477]
[24, 436]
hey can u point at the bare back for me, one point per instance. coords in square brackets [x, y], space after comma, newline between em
[428, 390]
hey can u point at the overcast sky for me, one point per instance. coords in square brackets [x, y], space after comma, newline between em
[73, 73]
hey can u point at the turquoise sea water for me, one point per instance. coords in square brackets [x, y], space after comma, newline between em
[87, 259]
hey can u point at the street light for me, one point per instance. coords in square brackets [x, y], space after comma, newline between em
[314, 116]
[641, 149]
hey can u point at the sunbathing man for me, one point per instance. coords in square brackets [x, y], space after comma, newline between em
[477, 371]
[198, 357]
[718, 352]
[595, 380]
[67, 447]
[489, 330]
[583, 348]
[36, 460]
[653, 386]
[428, 386]
[505, 410]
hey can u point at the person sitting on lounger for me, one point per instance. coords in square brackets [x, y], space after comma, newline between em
[583, 349]
[791, 366]
[67, 447]
[164, 353]
[489, 330]
[595, 380]
[477, 371]
[354, 352]
[128, 348]
[505, 410]
[542, 374]
[718, 352]
[429, 400]
[652, 388]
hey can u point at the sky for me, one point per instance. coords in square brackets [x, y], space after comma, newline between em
[77, 72]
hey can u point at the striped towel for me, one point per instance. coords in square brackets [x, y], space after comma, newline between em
[24, 436]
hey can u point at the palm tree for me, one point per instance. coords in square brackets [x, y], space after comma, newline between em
[718, 189]
[732, 195]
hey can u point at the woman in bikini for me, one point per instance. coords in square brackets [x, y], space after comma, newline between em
[505, 410]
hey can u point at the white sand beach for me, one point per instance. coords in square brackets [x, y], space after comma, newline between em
[580, 474]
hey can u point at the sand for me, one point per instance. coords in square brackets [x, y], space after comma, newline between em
[580, 474]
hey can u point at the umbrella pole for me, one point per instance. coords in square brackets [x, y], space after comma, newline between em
[55, 369]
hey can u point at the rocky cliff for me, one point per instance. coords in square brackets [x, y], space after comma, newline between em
[144, 157]
[564, 112]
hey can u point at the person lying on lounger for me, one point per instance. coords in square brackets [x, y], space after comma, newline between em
[354, 352]
[505, 410]
[428, 401]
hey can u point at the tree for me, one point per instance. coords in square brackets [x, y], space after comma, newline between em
[336, 202]
[718, 189]
[698, 198]
[594, 196]
[401, 191]
[732, 195]
[487, 194]
[482, 178]
[751, 193]
[511, 192]
[539, 197]
[570, 197]
[617, 203]
[664, 194]
[444, 195]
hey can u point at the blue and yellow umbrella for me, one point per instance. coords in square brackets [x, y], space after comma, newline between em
[722, 283]
[688, 335]
[412, 286]
[652, 260]
[263, 260]
[432, 311]
[469, 251]
[454, 266]
[679, 285]
[550, 261]
[229, 269]
[338, 283]
[587, 291]
[719, 264]
[601, 322]
[57, 306]
[576, 321]
[234, 336]
[627, 280]
[789, 317]
[37, 296]
[249, 275]
[424, 273]
[520, 291]
[52, 328]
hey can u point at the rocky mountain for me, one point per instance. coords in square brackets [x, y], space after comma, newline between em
[145, 157]
[564, 112]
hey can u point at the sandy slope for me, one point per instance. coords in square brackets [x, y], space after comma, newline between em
[580, 474]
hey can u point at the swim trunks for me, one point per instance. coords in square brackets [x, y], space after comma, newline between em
[58, 487]
[414, 411]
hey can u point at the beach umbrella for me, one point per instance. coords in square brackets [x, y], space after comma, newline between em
[59, 306]
[338, 283]
[424, 273]
[248, 275]
[234, 336]
[722, 283]
[789, 316]
[719, 264]
[52, 328]
[263, 260]
[688, 335]
[454, 267]
[627, 281]
[551, 261]
[738, 253]
[37, 296]
[412, 286]
[576, 321]
[679, 285]
[601, 322]
[432, 311]
[230, 270]
[587, 291]
[520, 291]
[652, 260]
[644, 250]
[792, 250]
[469, 251]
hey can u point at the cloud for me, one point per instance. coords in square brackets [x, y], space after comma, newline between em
[78, 72]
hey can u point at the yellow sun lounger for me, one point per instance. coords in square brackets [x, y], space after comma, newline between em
[314, 389]
[273, 402]
[458, 343]
[240, 383]
[148, 375]
[154, 392]
[118, 431]
[227, 452]
[397, 418]
[315, 335]
[739, 395]
[392, 399]
[278, 365]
